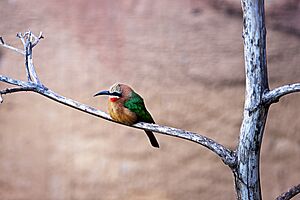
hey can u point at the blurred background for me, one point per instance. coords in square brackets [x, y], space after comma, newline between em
[184, 57]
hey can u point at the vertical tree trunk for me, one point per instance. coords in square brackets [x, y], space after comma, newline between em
[247, 176]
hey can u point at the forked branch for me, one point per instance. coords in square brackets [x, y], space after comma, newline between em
[34, 84]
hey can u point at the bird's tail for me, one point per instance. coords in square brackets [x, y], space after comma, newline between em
[152, 139]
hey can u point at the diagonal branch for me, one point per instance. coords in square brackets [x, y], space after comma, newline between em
[274, 95]
[227, 156]
[21, 37]
[37, 39]
[35, 85]
[2, 43]
[289, 194]
[16, 89]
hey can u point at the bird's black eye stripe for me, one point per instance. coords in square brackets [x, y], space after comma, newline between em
[116, 94]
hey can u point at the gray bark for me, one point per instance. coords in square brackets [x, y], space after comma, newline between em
[247, 174]
[289, 194]
[274, 95]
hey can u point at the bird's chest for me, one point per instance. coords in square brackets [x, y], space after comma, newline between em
[121, 114]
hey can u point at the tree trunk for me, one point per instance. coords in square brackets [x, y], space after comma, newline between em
[247, 175]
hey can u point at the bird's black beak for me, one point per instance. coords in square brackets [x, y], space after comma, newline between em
[105, 92]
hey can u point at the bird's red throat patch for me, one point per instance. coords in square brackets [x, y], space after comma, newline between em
[113, 98]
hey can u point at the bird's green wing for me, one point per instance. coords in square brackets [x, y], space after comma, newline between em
[136, 105]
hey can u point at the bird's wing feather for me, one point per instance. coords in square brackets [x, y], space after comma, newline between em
[136, 104]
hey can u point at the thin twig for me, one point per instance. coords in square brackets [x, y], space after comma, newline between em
[2, 43]
[289, 194]
[11, 81]
[17, 89]
[275, 94]
[31, 72]
[37, 39]
[21, 36]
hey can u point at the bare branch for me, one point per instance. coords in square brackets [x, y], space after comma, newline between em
[2, 43]
[37, 39]
[28, 46]
[26, 41]
[17, 89]
[21, 36]
[274, 95]
[13, 90]
[29, 40]
[29, 63]
[247, 175]
[227, 156]
[11, 81]
[289, 194]
[224, 153]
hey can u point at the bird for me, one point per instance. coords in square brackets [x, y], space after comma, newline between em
[128, 107]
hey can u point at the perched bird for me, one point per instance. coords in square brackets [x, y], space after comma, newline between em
[126, 106]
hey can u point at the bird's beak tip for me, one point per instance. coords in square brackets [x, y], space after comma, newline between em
[105, 92]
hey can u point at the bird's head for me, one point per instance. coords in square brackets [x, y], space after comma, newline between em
[116, 92]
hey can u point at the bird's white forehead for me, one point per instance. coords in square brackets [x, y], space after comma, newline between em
[115, 88]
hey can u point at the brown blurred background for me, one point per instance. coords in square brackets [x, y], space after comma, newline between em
[184, 57]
